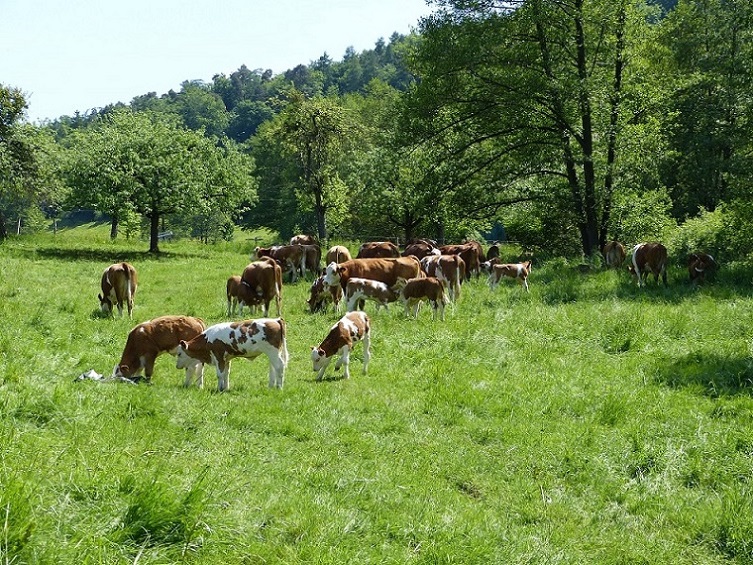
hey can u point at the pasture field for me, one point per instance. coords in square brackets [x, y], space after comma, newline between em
[586, 422]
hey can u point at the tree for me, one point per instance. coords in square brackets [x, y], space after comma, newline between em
[515, 92]
[147, 163]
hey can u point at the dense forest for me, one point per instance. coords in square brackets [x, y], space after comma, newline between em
[558, 124]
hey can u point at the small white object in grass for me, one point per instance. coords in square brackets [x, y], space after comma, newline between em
[91, 375]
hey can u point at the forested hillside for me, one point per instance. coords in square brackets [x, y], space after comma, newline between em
[558, 124]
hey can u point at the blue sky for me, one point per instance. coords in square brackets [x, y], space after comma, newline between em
[75, 55]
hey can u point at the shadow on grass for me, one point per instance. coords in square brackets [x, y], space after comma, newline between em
[102, 255]
[715, 375]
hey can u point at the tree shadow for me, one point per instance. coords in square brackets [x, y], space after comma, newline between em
[715, 375]
[103, 255]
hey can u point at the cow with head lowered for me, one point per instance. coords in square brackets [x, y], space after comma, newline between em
[119, 283]
[386, 270]
[700, 264]
[377, 249]
[261, 282]
[614, 254]
[649, 258]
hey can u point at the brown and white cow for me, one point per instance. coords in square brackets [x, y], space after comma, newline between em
[321, 293]
[469, 253]
[649, 258]
[420, 249]
[302, 239]
[358, 290]
[290, 257]
[150, 339]
[517, 271]
[233, 290]
[261, 282]
[338, 254]
[119, 283]
[221, 343]
[378, 249]
[487, 266]
[342, 337]
[385, 270]
[699, 264]
[416, 290]
[449, 269]
[312, 257]
[614, 254]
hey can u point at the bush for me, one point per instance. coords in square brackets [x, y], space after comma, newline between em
[704, 233]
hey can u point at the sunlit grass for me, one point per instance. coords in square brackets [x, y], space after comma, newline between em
[585, 422]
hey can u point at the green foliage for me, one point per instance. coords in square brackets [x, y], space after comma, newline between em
[642, 216]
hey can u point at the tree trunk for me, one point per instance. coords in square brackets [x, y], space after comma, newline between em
[3, 227]
[154, 233]
[114, 226]
[321, 219]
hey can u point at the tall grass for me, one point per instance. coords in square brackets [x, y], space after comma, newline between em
[586, 422]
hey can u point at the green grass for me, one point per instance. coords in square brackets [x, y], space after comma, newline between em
[586, 422]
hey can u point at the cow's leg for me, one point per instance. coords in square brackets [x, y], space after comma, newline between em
[222, 366]
[276, 371]
[344, 361]
[148, 362]
[322, 369]
[416, 307]
[197, 370]
[524, 281]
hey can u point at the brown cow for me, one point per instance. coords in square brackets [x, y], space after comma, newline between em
[518, 271]
[119, 283]
[342, 337]
[221, 343]
[449, 269]
[431, 289]
[290, 257]
[492, 252]
[469, 253]
[698, 265]
[304, 240]
[378, 249]
[384, 270]
[150, 339]
[338, 254]
[261, 282]
[649, 257]
[312, 257]
[322, 293]
[614, 254]
[420, 249]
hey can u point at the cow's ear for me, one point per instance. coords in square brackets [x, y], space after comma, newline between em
[100, 298]
[124, 369]
[340, 270]
[182, 344]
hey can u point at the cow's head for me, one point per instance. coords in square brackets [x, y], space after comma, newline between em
[333, 274]
[318, 295]
[105, 304]
[182, 359]
[319, 358]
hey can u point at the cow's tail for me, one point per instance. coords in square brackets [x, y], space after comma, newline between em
[127, 271]
[283, 342]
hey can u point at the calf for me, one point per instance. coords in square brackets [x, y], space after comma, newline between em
[358, 290]
[420, 249]
[449, 269]
[150, 339]
[322, 293]
[261, 282]
[518, 271]
[312, 256]
[378, 249]
[488, 265]
[303, 240]
[614, 254]
[416, 290]
[698, 265]
[233, 295]
[469, 253]
[119, 283]
[221, 343]
[493, 251]
[290, 257]
[386, 270]
[350, 329]
[649, 257]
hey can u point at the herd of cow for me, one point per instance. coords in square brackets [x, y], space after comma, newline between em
[424, 271]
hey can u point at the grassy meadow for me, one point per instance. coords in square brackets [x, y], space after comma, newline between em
[586, 422]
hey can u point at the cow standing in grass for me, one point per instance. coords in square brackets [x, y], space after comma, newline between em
[342, 337]
[649, 258]
[614, 254]
[430, 289]
[119, 283]
[517, 271]
[699, 264]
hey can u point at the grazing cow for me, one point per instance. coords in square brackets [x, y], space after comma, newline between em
[378, 249]
[221, 343]
[493, 251]
[119, 283]
[487, 266]
[414, 291]
[449, 269]
[518, 271]
[322, 293]
[290, 257]
[420, 249]
[261, 282]
[469, 253]
[338, 254]
[649, 257]
[698, 265]
[233, 295]
[312, 257]
[614, 254]
[304, 240]
[349, 330]
[150, 339]
[358, 290]
[385, 270]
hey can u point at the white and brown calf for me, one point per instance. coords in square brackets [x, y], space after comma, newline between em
[152, 338]
[649, 258]
[349, 330]
[358, 290]
[221, 343]
[321, 293]
[415, 291]
[450, 269]
[517, 271]
[119, 283]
